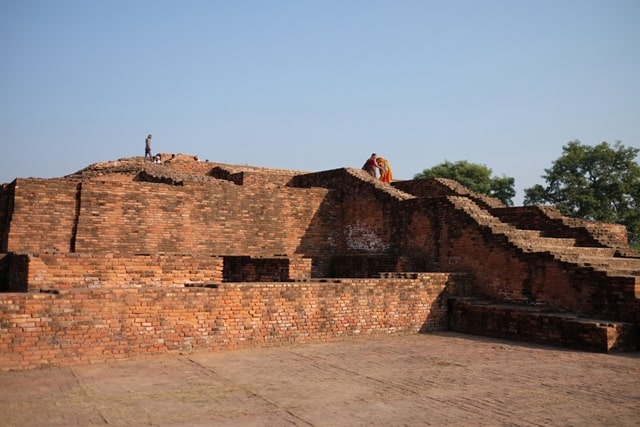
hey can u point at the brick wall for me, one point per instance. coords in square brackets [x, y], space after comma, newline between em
[69, 271]
[359, 215]
[216, 218]
[46, 208]
[46, 272]
[93, 325]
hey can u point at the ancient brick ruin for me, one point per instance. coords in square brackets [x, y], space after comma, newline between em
[126, 258]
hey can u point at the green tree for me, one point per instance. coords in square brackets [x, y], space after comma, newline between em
[598, 183]
[475, 177]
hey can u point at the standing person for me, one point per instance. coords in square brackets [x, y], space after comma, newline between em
[385, 169]
[371, 165]
[147, 148]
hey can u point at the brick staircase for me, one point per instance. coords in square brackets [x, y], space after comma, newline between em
[540, 324]
[607, 270]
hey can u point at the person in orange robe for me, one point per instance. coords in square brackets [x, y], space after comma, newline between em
[385, 169]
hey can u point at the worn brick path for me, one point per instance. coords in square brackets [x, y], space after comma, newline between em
[436, 379]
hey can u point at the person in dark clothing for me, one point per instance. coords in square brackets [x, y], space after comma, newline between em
[147, 148]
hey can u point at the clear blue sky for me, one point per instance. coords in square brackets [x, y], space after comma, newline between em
[316, 85]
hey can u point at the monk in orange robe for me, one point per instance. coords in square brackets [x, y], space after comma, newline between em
[385, 169]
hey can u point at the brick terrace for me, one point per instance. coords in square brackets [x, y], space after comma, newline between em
[127, 258]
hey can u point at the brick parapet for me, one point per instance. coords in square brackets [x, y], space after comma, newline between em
[87, 326]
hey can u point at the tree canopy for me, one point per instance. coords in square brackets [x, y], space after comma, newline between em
[474, 176]
[599, 183]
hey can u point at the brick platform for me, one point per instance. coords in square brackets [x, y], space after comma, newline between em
[442, 379]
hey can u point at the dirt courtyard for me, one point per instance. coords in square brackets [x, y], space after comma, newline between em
[434, 379]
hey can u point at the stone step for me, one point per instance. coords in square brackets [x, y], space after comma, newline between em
[539, 324]
[533, 243]
[564, 251]
[619, 272]
[585, 252]
[625, 266]
[615, 263]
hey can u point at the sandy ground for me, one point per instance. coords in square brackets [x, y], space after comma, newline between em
[435, 379]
